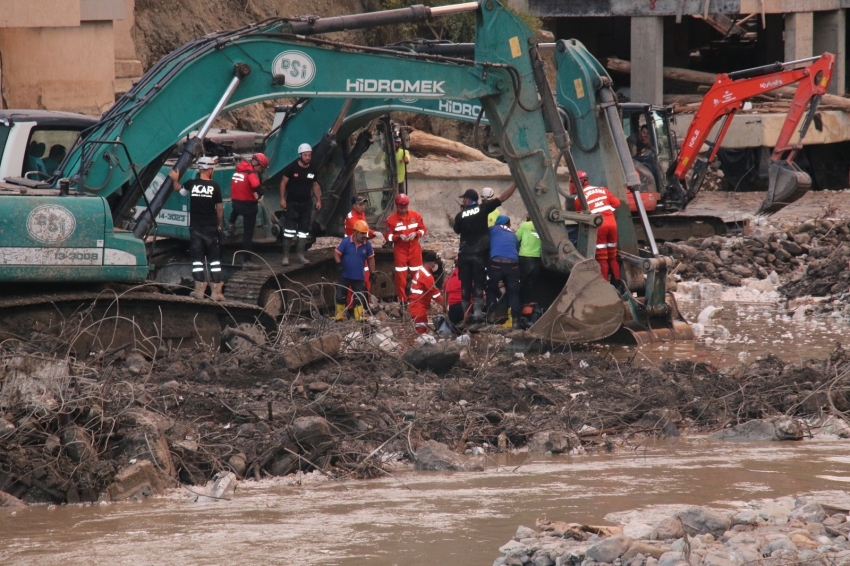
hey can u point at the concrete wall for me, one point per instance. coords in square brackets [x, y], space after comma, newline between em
[39, 13]
[123, 30]
[434, 188]
[61, 68]
[754, 130]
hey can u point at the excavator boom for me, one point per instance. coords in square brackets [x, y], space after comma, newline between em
[787, 182]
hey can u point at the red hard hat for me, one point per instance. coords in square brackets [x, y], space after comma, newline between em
[261, 159]
[582, 176]
[361, 226]
[402, 200]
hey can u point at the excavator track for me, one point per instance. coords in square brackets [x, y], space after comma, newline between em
[108, 320]
[302, 288]
[680, 227]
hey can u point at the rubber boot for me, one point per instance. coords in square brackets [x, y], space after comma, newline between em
[217, 294]
[340, 313]
[358, 313]
[200, 289]
[477, 311]
[287, 243]
[518, 321]
[465, 305]
[299, 251]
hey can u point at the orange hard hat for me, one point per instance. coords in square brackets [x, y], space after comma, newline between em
[361, 226]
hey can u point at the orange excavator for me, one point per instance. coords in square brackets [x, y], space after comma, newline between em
[787, 182]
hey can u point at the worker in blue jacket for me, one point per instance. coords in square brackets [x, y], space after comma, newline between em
[504, 266]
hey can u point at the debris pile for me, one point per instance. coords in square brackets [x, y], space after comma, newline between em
[810, 258]
[332, 398]
[779, 531]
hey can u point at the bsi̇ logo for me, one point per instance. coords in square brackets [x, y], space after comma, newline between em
[293, 69]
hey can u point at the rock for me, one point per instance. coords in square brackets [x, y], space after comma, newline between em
[609, 549]
[137, 364]
[439, 358]
[671, 559]
[433, 455]
[244, 339]
[6, 428]
[318, 386]
[646, 549]
[553, 441]
[77, 444]
[708, 314]
[169, 388]
[144, 437]
[311, 432]
[524, 532]
[699, 520]
[638, 531]
[7, 500]
[777, 428]
[780, 542]
[239, 464]
[809, 513]
[669, 528]
[222, 486]
[513, 548]
[284, 465]
[792, 247]
[321, 348]
[717, 559]
[278, 384]
[136, 480]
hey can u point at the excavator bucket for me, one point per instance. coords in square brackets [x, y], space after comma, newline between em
[587, 309]
[786, 183]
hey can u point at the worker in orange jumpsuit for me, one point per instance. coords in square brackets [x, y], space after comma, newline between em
[422, 291]
[405, 228]
[358, 212]
[601, 201]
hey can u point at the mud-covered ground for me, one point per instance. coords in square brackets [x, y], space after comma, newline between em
[68, 428]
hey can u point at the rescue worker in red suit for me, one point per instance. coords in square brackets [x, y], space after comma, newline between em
[245, 191]
[404, 229]
[422, 291]
[601, 201]
[358, 212]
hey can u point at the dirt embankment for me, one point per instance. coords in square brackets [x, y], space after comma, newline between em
[69, 428]
[162, 26]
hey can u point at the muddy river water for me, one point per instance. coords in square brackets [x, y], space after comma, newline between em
[419, 518]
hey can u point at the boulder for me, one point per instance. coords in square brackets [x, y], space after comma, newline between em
[777, 428]
[638, 531]
[524, 532]
[809, 513]
[672, 559]
[238, 463]
[78, 444]
[609, 549]
[433, 455]
[222, 486]
[698, 520]
[646, 549]
[137, 364]
[552, 441]
[311, 432]
[513, 548]
[669, 529]
[136, 480]
[439, 358]
[312, 350]
[7, 500]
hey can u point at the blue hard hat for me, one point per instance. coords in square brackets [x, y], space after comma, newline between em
[502, 220]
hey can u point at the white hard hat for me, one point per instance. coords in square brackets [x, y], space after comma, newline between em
[207, 162]
[304, 148]
[487, 193]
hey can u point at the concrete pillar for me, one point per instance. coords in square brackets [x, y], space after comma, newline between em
[830, 35]
[798, 35]
[647, 53]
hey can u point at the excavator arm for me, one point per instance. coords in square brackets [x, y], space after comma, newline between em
[723, 100]
[186, 91]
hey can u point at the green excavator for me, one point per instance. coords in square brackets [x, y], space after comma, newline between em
[62, 232]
